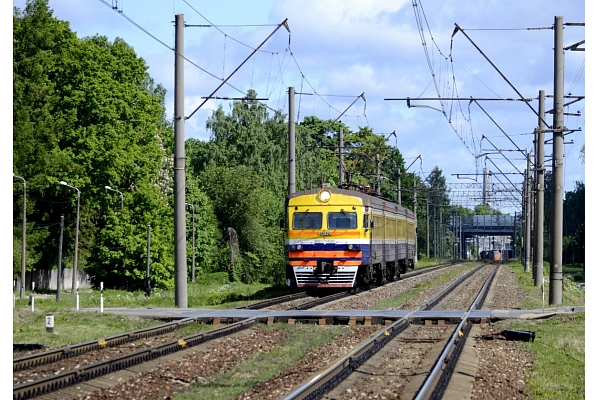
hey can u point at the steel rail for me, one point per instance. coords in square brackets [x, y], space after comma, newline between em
[324, 382]
[441, 372]
[271, 302]
[322, 300]
[50, 356]
[62, 353]
[65, 379]
[342, 295]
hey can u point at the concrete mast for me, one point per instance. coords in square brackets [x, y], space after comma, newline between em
[527, 231]
[292, 144]
[556, 276]
[538, 250]
[341, 158]
[179, 171]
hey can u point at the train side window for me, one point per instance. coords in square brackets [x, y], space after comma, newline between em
[307, 220]
[342, 220]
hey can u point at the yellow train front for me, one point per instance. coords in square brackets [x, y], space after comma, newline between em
[341, 238]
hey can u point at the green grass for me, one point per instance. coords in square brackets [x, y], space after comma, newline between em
[572, 294]
[215, 295]
[428, 262]
[72, 326]
[559, 346]
[300, 339]
[559, 354]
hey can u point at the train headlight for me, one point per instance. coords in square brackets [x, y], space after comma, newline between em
[324, 196]
[298, 247]
[353, 247]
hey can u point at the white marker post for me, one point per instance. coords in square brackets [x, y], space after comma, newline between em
[77, 295]
[101, 297]
[543, 305]
[50, 323]
[32, 300]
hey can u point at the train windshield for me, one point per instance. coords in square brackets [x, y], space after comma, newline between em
[342, 220]
[307, 220]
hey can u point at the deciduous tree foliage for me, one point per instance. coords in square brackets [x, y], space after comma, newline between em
[85, 111]
[574, 224]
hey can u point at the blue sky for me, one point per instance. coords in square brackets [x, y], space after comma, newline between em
[339, 49]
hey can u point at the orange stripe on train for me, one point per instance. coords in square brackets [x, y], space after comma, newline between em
[343, 263]
[325, 254]
[303, 263]
[315, 233]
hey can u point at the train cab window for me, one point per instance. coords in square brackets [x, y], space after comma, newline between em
[342, 220]
[307, 220]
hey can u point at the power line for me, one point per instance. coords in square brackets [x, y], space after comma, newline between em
[219, 29]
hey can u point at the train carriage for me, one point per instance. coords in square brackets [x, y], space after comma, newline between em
[343, 238]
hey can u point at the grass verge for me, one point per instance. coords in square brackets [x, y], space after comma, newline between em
[76, 326]
[559, 345]
[572, 293]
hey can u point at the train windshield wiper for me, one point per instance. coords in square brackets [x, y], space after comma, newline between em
[346, 215]
[303, 216]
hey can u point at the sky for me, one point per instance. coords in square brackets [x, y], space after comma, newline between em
[336, 50]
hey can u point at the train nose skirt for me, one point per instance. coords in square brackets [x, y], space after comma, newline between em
[337, 276]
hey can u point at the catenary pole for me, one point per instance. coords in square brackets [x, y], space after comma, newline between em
[427, 226]
[74, 283]
[59, 272]
[341, 158]
[179, 170]
[24, 238]
[148, 241]
[416, 219]
[292, 144]
[527, 231]
[538, 252]
[193, 241]
[556, 278]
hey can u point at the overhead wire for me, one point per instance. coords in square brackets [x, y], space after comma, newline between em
[167, 46]
[446, 109]
[217, 27]
[280, 71]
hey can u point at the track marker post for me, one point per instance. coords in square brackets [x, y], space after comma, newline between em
[50, 323]
[101, 297]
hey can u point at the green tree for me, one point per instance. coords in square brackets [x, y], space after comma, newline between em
[86, 111]
[254, 212]
[202, 218]
[249, 136]
[486, 209]
[316, 154]
[574, 224]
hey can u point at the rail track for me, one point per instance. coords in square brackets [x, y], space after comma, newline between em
[383, 365]
[34, 375]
